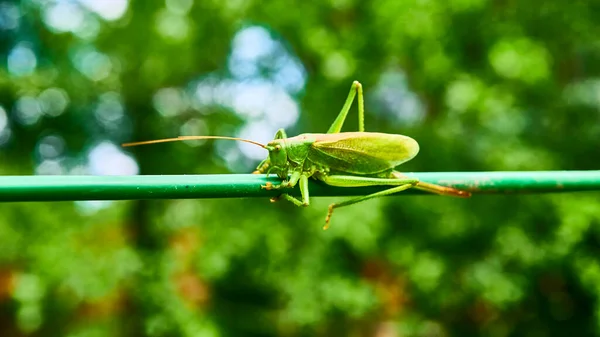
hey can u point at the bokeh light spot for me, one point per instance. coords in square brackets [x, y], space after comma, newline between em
[338, 65]
[21, 60]
[520, 59]
[194, 127]
[395, 97]
[51, 146]
[63, 16]
[107, 159]
[585, 92]
[109, 110]
[28, 110]
[3, 119]
[179, 6]
[9, 16]
[172, 26]
[109, 10]
[50, 167]
[170, 102]
[462, 94]
[94, 65]
[53, 101]
[29, 317]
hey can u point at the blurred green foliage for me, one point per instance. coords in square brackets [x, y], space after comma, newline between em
[482, 85]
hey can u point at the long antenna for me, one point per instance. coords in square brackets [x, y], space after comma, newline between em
[182, 138]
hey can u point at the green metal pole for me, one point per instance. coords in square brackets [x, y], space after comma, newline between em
[64, 188]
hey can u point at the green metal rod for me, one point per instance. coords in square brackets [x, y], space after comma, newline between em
[67, 188]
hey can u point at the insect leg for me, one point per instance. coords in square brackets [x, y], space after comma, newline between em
[262, 167]
[366, 197]
[303, 190]
[354, 181]
[286, 183]
[280, 134]
[361, 108]
[289, 198]
[437, 189]
[336, 127]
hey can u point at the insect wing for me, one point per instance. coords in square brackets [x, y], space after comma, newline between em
[362, 152]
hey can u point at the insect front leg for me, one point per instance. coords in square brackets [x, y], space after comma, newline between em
[354, 181]
[262, 167]
[294, 178]
[336, 127]
[303, 181]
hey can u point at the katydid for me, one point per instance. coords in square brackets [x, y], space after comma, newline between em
[344, 159]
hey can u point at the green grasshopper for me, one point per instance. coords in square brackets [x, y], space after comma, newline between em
[344, 159]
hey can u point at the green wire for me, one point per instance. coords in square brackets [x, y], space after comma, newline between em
[65, 188]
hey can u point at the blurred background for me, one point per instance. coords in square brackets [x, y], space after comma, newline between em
[481, 84]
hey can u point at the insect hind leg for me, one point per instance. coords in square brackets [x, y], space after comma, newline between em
[436, 189]
[363, 198]
[280, 134]
[400, 184]
[356, 88]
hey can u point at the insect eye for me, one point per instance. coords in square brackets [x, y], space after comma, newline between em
[277, 147]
